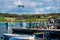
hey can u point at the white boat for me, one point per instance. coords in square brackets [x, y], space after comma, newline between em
[18, 37]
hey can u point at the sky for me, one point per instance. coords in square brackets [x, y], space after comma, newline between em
[30, 6]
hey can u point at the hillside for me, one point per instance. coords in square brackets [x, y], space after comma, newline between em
[27, 17]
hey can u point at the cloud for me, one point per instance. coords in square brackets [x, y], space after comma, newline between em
[51, 8]
[47, 8]
[30, 6]
[47, 0]
[18, 3]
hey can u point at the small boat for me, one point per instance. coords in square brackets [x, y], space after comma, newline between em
[18, 37]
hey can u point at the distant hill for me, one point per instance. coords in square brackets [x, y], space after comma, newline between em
[32, 16]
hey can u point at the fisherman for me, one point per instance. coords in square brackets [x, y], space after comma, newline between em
[39, 24]
[30, 24]
[44, 25]
[6, 25]
[21, 24]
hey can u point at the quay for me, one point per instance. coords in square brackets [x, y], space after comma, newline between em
[39, 30]
[31, 31]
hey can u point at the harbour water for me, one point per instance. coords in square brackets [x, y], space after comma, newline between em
[24, 24]
[3, 28]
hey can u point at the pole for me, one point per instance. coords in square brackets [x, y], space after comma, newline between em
[30, 24]
[21, 6]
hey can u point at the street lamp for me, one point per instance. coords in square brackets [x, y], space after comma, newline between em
[21, 6]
